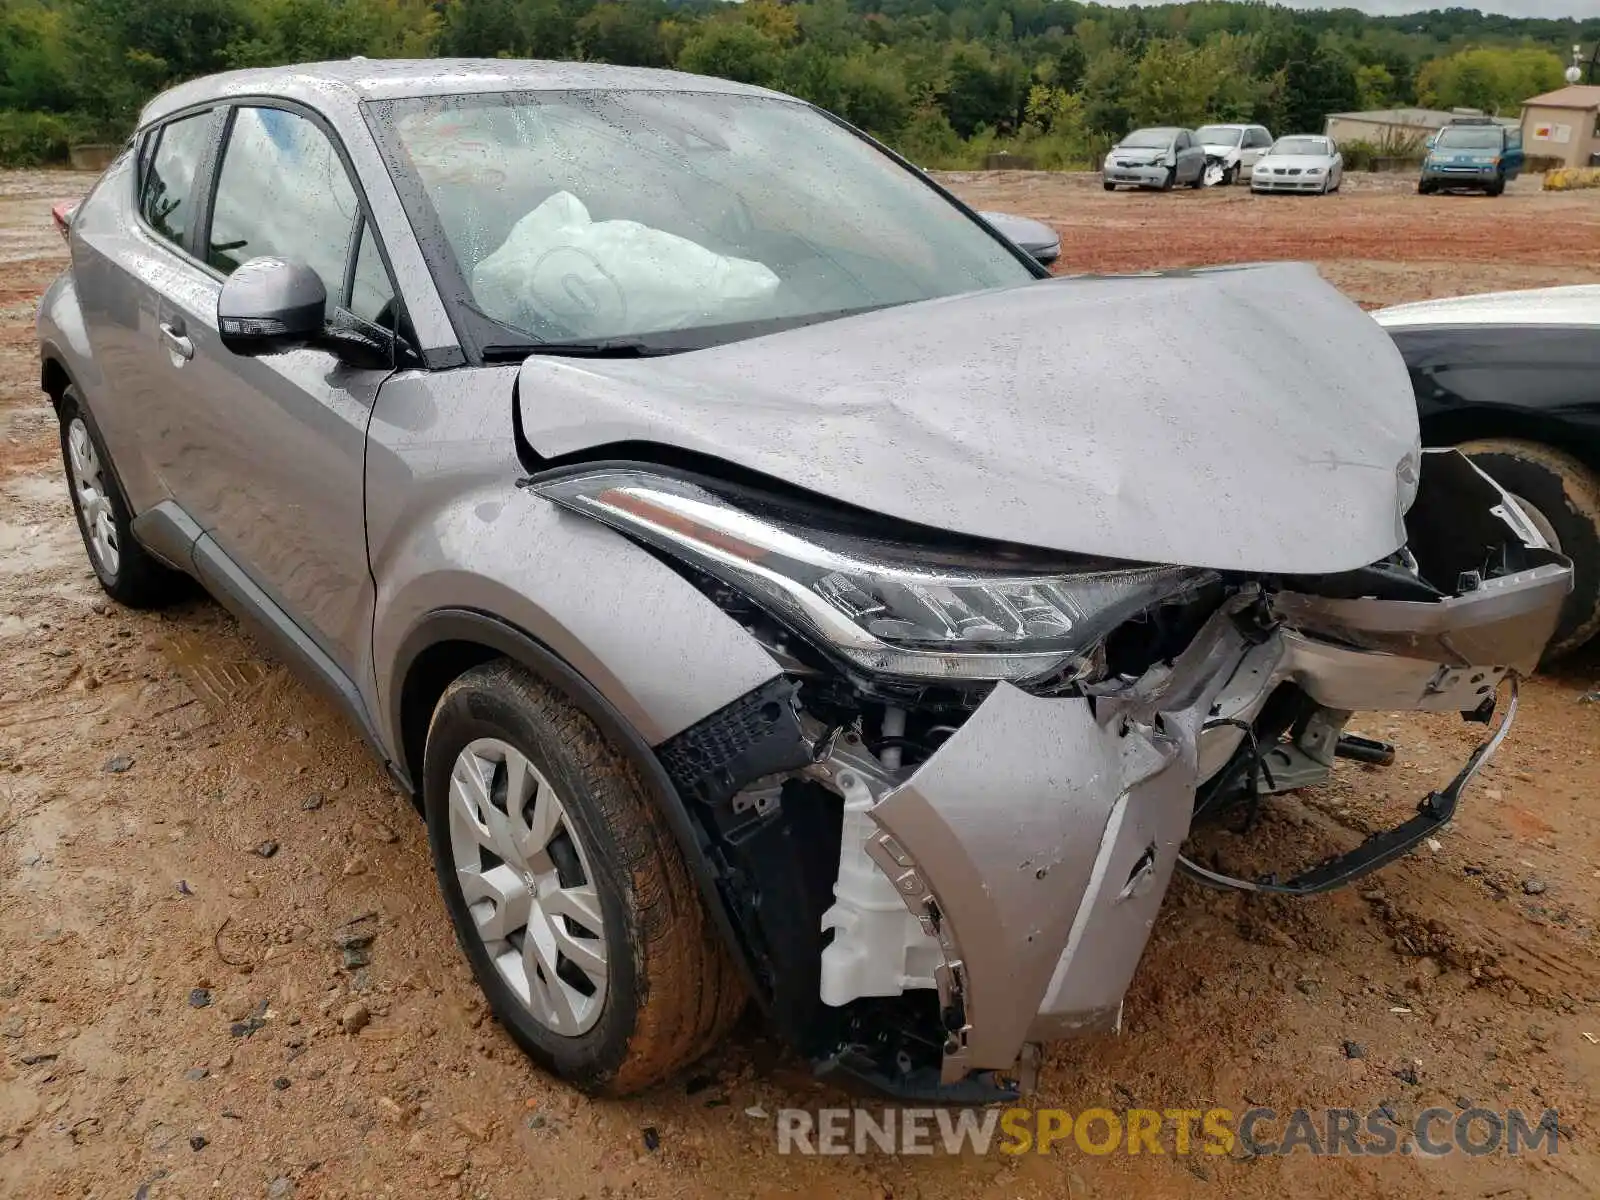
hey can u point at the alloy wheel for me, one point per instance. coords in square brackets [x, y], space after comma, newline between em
[93, 498]
[528, 886]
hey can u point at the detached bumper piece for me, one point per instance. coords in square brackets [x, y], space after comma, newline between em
[1433, 813]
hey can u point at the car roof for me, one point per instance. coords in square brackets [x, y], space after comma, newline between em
[360, 79]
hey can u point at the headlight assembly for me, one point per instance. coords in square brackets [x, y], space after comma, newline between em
[887, 608]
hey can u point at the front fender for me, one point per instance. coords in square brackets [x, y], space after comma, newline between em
[449, 529]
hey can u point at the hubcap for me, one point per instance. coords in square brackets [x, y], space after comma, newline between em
[1540, 521]
[528, 887]
[92, 497]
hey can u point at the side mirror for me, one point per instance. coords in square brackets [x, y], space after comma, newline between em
[270, 304]
[1431, 140]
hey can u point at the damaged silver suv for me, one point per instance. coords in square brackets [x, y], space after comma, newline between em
[767, 583]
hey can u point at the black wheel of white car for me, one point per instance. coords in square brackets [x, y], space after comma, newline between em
[1108, 185]
[568, 893]
[128, 573]
[1230, 176]
[1562, 498]
[1170, 179]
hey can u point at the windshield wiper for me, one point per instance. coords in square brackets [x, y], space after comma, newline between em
[594, 348]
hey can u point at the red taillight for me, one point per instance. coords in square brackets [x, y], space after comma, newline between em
[61, 214]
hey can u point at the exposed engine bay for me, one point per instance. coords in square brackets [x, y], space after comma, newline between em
[933, 875]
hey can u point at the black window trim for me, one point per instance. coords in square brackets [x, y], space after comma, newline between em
[363, 215]
[150, 136]
[208, 173]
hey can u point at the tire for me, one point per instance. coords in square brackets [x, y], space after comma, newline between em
[1230, 176]
[1172, 178]
[1109, 186]
[127, 572]
[1496, 188]
[1199, 178]
[1564, 498]
[1424, 189]
[668, 989]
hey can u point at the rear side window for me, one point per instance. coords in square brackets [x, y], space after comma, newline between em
[167, 195]
[282, 191]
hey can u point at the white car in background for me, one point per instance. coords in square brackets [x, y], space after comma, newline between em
[1234, 148]
[1299, 163]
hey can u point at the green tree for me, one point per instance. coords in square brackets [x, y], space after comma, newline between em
[481, 29]
[732, 50]
[309, 30]
[1493, 79]
[981, 89]
[127, 50]
[1170, 86]
[35, 67]
[623, 31]
[1107, 88]
[1309, 79]
[873, 93]
[1375, 87]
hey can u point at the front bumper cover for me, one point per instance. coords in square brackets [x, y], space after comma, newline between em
[1038, 842]
[1142, 175]
[1460, 174]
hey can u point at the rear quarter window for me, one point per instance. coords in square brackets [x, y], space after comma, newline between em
[168, 182]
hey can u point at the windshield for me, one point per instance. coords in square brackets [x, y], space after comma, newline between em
[583, 215]
[1147, 139]
[1467, 137]
[1219, 135]
[1301, 145]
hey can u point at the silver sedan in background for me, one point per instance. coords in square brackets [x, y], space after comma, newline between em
[1035, 238]
[1301, 163]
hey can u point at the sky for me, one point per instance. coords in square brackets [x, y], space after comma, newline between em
[1388, 8]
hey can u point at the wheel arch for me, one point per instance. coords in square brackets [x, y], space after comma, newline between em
[54, 378]
[446, 643]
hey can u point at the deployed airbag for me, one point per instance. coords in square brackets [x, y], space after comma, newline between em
[594, 279]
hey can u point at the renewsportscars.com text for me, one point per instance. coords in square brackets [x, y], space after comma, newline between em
[1181, 1131]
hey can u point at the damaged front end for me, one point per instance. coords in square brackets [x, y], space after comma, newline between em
[945, 830]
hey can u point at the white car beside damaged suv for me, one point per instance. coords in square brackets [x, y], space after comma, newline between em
[1301, 163]
[756, 603]
[1234, 149]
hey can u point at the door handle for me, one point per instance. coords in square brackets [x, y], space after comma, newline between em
[176, 342]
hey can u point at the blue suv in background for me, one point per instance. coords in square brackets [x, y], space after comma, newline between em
[1472, 152]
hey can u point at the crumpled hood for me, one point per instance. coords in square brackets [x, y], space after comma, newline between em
[1240, 419]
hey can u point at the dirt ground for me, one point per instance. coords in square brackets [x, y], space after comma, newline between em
[147, 762]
